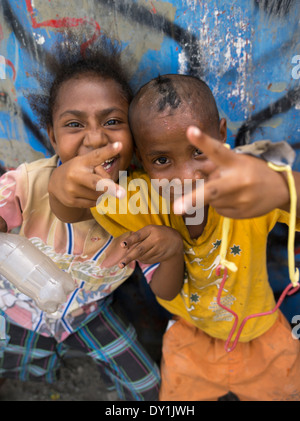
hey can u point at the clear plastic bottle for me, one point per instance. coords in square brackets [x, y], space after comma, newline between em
[33, 273]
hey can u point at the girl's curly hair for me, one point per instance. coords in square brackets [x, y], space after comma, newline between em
[69, 59]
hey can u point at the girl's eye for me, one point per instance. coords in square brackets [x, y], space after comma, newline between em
[112, 122]
[73, 124]
[161, 160]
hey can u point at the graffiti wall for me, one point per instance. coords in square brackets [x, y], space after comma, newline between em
[248, 51]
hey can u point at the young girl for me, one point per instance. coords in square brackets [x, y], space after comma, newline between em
[85, 112]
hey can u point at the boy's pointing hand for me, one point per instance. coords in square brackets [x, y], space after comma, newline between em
[237, 185]
[152, 244]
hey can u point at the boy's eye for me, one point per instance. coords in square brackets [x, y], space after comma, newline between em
[161, 160]
[197, 152]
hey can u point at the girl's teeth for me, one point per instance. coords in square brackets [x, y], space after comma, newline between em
[108, 163]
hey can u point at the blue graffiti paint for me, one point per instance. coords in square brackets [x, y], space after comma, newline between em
[243, 52]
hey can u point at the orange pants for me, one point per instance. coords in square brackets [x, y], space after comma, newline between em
[196, 367]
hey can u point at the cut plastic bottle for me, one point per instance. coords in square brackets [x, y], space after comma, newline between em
[33, 273]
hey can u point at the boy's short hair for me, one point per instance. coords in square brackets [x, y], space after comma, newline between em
[172, 91]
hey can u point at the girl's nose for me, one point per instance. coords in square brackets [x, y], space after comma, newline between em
[95, 139]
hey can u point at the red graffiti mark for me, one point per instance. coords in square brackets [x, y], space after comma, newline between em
[65, 22]
[10, 64]
[153, 8]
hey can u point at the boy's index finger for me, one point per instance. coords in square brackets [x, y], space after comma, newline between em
[135, 238]
[214, 149]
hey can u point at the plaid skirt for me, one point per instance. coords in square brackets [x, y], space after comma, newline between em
[108, 339]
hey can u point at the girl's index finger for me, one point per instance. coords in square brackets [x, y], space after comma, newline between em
[214, 149]
[97, 156]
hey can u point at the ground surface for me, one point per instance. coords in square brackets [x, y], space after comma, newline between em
[79, 378]
[80, 381]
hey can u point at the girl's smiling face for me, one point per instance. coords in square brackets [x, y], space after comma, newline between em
[89, 113]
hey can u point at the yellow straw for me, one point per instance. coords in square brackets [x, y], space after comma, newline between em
[293, 273]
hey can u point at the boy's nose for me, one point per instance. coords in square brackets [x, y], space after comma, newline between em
[190, 173]
[95, 139]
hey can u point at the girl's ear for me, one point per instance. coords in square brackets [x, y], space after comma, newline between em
[223, 130]
[51, 136]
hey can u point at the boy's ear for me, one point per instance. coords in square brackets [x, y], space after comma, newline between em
[223, 130]
[51, 136]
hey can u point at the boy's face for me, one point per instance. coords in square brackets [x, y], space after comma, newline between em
[91, 113]
[164, 149]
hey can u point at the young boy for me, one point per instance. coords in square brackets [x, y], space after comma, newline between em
[265, 365]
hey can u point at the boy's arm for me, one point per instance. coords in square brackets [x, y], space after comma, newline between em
[167, 280]
[237, 185]
[73, 185]
[163, 245]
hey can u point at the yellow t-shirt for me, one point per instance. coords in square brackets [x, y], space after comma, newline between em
[246, 291]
